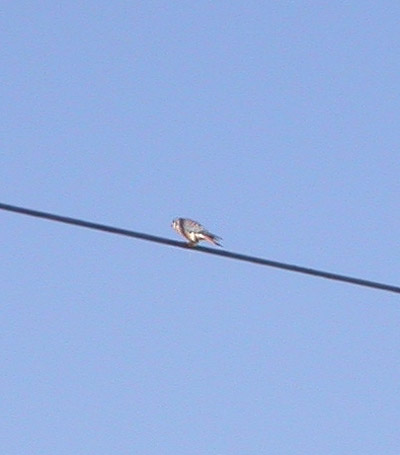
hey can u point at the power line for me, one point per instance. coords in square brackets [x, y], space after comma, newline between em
[201, 249]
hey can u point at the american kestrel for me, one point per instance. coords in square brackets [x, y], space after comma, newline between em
[193, 231]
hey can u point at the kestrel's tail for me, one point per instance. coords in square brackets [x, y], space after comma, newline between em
[212, 239]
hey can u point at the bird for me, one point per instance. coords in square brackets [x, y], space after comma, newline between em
[194, 232]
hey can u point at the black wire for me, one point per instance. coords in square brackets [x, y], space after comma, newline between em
[227, 254]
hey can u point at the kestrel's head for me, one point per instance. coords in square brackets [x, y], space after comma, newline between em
[174, 223]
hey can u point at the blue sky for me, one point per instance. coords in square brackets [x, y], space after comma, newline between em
[275, 124]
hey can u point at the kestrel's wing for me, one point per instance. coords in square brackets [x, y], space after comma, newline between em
[201, 231]
[192, 226]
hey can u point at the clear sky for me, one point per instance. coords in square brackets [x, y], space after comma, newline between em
[273, 123]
